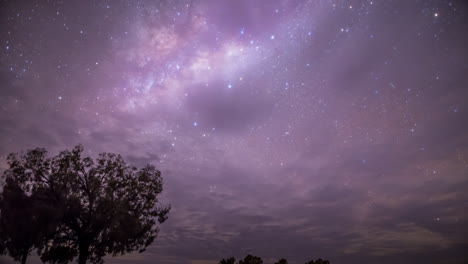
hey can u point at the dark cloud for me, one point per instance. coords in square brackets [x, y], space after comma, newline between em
[228, 109]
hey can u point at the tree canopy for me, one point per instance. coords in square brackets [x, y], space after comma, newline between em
[250, 259]
[92, 207]
[318, 261]
[282, 261]
[25, 221]
[230, 260]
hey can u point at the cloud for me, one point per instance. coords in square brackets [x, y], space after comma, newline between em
[229, 109]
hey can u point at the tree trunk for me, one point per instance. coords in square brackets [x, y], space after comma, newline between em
[84, 253]
[23, 258]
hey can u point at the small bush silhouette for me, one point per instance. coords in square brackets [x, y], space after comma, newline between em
[250, 259]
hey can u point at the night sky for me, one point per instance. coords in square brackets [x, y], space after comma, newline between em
[296, 129]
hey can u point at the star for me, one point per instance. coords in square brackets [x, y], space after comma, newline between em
[293, 108]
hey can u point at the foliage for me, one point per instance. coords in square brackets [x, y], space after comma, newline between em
[106, 206]
[318, 261]
[249, 259]
[230, 260]
[25, 222]
[282, 261]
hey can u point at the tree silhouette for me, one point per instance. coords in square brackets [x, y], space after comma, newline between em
[282, 261]
[106, 206]
[230, 260]
[25, 222]
[249, 259]
[318, 261]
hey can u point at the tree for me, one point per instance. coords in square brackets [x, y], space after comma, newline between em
[249, 259]
[230, 260]
[318, 261]
[106, 205]
[25, 221]
[282, 261]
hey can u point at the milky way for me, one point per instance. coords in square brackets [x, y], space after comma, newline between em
[296, 129]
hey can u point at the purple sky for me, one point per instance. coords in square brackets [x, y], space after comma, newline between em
[296, 129]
